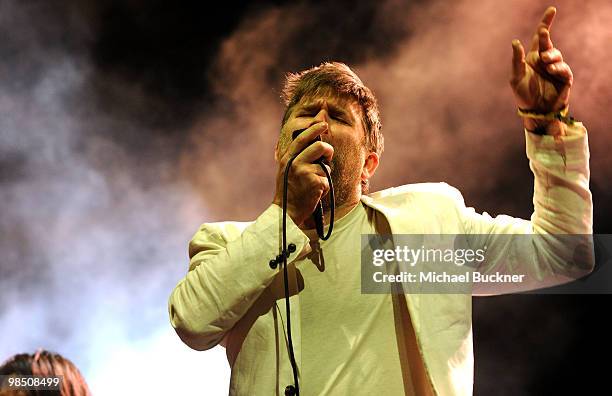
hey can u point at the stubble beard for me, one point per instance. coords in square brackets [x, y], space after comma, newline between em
[346, 175]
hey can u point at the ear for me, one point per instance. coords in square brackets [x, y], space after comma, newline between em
[369, 166]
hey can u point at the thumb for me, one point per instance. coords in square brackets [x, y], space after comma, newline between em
[518, 62]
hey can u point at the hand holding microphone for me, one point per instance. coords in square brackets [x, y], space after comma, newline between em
[307, 182]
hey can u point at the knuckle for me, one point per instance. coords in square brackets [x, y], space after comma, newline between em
[300, 171]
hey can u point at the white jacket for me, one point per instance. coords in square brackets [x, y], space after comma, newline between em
[231, 295]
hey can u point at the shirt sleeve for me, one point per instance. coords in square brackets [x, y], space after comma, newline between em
[555, 245]
[228, 270]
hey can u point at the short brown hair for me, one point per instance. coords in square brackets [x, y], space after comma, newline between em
[344, 82]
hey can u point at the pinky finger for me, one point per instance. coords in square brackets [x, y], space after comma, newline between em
[560, 71]
[324, 186]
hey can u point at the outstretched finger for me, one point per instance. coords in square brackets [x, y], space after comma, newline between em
[545, 23]
[548, 17]
[518, 61]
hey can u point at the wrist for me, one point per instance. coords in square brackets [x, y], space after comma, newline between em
[546, 123]
[292, 214]
[544, 127]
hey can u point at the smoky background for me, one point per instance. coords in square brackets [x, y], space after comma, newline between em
[124, 125]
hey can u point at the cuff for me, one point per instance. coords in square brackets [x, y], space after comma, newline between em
[567, 151]
[295, 235]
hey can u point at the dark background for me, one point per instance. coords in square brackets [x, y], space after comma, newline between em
[126, 124]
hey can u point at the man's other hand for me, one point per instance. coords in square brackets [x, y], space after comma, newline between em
[541, 81]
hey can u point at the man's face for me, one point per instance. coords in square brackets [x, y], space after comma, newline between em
[345, 133]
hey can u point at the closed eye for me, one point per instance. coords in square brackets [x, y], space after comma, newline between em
[340, 118]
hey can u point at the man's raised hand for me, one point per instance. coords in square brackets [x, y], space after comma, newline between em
[541, 80]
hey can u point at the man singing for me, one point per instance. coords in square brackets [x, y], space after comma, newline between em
[346, 342]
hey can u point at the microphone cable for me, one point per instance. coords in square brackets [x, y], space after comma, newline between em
[294, 390]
